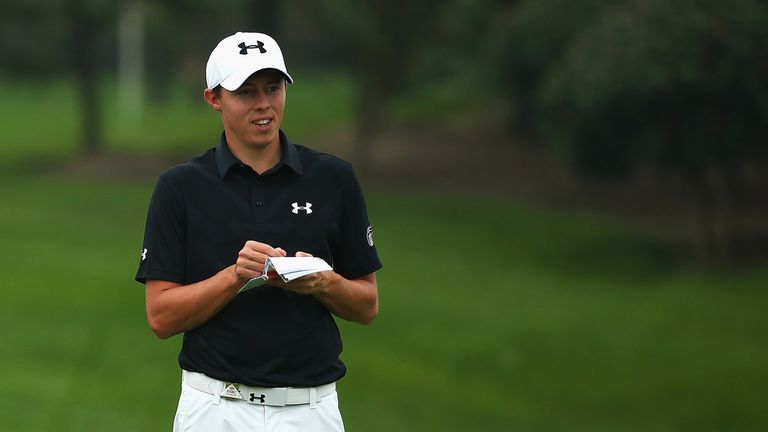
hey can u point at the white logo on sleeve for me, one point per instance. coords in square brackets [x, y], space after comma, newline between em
[306, 208]
[369, 235]
[144, 254]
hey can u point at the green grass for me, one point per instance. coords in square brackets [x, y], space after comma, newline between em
[494, 317]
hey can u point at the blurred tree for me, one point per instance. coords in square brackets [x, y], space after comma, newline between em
[460, 50]
[180, 36]
[536, 35]
[382, 38]
[50, 38]
[395, 49]
[169, 40]
[679, 86]
[130, 64]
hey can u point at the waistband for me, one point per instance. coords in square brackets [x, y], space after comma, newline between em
[272, 396]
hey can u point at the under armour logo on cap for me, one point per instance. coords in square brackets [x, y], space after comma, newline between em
[244, 48]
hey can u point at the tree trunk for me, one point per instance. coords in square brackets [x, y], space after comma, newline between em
[263, 19]
[367, 127]
[130, 70]
[700, 219]
[90, 120]
[711, 216]
[86, 81]
[721, 185]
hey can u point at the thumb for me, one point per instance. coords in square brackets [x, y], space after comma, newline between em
[303, 254]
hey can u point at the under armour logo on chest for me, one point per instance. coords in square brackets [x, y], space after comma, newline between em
[306, 208]
[260, 398]
[244, 48]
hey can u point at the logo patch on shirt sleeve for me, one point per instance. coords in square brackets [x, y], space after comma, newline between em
[369, 235]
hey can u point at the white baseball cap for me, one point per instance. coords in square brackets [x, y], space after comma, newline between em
[241, 55]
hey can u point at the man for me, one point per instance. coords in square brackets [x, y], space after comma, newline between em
[267, 358]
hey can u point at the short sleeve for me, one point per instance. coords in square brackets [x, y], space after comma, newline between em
[163, 251]
[356, 254]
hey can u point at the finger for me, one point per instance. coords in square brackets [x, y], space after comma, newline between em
[264, 248]
[257, 246]
[247, 255]
[246, 271]
[303, 254]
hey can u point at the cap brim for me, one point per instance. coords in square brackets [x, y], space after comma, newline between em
[234, 81]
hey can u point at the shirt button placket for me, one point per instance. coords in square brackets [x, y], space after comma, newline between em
[257, 197]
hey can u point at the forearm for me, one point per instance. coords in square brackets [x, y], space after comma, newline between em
[174, 308]
[354, 300]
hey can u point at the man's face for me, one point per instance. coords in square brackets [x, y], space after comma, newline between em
[253, 113]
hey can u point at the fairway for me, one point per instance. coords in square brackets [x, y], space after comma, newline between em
[494, 317]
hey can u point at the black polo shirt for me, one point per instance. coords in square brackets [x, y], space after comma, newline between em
[201, 214]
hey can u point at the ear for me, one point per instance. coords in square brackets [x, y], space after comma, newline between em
[211, 99]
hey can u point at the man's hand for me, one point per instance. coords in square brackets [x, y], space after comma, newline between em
[350, 299]
[252, 257]
[353, 300]
[309, 284]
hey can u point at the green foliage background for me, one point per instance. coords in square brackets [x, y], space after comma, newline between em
[676, 86]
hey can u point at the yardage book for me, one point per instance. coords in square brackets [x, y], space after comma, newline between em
[287, 269]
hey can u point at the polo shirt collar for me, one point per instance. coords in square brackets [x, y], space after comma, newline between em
[288, 156]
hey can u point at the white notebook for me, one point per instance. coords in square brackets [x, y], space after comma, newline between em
[287, 269]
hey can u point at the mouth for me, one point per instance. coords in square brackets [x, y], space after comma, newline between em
[262, 122]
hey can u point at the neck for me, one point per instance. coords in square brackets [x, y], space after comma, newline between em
[259, 158]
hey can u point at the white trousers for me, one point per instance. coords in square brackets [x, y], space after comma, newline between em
[197, 412]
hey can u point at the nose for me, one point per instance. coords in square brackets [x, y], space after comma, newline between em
[260, 101]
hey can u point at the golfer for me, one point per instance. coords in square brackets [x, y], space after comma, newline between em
[265, 359]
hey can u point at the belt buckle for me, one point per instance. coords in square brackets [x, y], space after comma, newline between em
[231, 391]
[267, 396]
